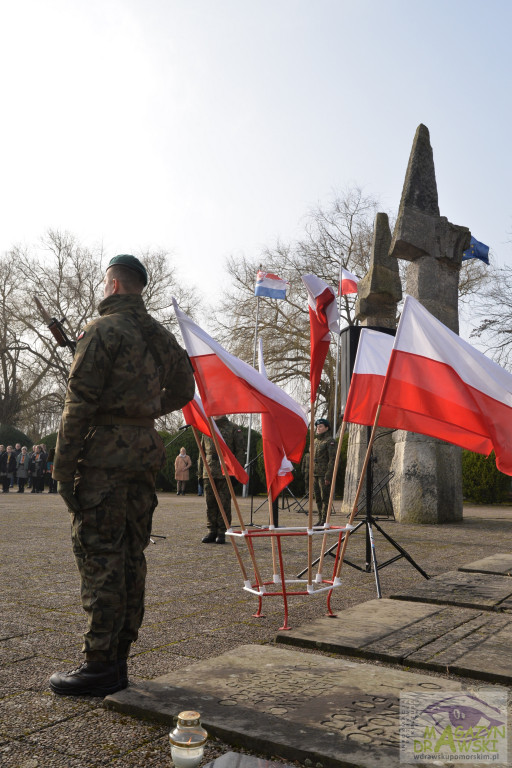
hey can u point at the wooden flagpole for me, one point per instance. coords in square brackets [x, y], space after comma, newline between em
[331, 497]
[272, 538]
[310, 500]
[219, 502]
[359, 488]
[234, 499]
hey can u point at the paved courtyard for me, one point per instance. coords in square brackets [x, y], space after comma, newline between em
[196, 610]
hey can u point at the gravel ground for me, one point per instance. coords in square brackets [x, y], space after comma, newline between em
[196, 609]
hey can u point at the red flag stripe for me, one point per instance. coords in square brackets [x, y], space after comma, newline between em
[223, 392]
[194, 415]
[440, 385]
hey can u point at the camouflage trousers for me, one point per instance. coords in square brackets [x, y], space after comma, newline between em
[321, 491]
[109, 535]
[214, 519]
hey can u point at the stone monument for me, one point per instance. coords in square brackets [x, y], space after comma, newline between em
[377, 297]
[427, 484]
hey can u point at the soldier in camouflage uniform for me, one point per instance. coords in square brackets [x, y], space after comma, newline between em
[127, 370]
[232, 435]
[325, 455]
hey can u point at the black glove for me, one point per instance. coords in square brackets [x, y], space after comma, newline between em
[67, 491]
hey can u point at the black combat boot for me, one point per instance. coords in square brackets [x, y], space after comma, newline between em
[221, 538]
[209, 538]
[92, 678]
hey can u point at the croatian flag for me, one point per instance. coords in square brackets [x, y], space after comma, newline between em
[194, 415]
[370, 366]
[348, 283]
[323, 318]
[271, 286]
[278, 468]
[229, 385]
[439, 385]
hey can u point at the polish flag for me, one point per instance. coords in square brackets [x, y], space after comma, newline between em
[194, 415]
[229, 385]
[323, 318]
[348, 283]
[370, 366]
[439, 385]
[278, 468]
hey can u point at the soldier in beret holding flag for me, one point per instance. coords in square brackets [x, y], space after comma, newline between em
[325, 456]
[127, 371]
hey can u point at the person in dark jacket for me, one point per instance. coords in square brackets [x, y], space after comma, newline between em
[37, 468]
[7, 468]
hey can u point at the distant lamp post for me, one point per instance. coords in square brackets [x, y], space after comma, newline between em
[187, 740]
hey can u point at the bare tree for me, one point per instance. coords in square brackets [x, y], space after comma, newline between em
[67, 278]
[339, 232]
[493, 309]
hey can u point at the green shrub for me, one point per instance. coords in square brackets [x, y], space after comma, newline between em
[50, 440]
[10, 436]
[482, 482]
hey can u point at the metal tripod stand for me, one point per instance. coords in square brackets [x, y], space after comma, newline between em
[370, 522]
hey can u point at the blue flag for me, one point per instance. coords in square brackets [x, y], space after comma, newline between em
[476, 250]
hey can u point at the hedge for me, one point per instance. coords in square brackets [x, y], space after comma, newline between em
[482, 482]
[173, 442]
[10, 436]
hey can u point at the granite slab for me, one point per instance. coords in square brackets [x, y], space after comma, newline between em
[287, 703]
[484, 591]
[499, 564]
[441, 638]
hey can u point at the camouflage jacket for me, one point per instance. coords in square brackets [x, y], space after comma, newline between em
[233, 436]
[325, 456]
[115, 379]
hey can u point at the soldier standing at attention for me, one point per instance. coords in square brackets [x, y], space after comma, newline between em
[127, 371]
[232, 435]
[325, 456]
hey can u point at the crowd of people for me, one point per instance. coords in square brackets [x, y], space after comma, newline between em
[27, 469]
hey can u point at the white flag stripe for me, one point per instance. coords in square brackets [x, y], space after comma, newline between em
[346, 275]
[198, 343]
[315, 287]
[420, 333]
[373, 352]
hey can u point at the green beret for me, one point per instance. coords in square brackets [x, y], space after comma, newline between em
[130, 262]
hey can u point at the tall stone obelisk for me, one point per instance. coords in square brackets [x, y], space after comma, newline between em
[427, 485]
[378, 294]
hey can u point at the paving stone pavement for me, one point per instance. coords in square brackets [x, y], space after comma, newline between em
[196, 610]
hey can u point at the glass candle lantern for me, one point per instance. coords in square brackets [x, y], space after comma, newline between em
[187, 740]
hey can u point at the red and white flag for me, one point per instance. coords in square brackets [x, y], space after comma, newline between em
[370, 366]
[194, 415]
[323, 318]
[229, 385]
[439, 385]
[278, 468]
[348, 283]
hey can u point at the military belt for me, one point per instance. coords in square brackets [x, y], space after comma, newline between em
[104, 420]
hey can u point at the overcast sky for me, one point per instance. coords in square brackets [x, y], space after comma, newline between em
[210, 127]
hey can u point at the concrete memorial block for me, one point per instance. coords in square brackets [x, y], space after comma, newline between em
[500, 564]
[378, 294]
[442, 638]
[333, 712]
[427, 486]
